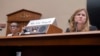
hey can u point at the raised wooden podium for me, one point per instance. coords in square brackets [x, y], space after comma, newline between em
[22, 17]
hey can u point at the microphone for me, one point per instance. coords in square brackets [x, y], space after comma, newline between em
[23, 31]
[75, 25]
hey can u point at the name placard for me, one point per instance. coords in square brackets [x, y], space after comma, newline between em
[41, 22]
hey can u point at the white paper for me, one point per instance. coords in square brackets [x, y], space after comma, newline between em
[41, 22]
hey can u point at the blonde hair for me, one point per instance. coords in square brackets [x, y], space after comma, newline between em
[86, 25]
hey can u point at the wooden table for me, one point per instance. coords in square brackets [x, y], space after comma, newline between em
[74, 38]
[59, 44]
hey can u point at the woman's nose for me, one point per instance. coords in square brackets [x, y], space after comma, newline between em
[80, 16]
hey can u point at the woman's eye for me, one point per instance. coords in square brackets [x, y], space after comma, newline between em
[83, 14]
[78, 14]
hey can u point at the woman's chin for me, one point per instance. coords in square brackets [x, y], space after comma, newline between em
[80, 23]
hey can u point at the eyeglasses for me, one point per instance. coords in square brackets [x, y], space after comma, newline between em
[13, 26]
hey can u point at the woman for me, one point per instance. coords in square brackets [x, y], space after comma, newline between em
[79, 22]
[14, 29]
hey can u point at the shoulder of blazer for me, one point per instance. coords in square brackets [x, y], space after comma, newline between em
[91, 28]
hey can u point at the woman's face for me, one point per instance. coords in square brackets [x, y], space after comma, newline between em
[80, 17]
[14, 28]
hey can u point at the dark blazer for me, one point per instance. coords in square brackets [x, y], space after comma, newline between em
[92, 28]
